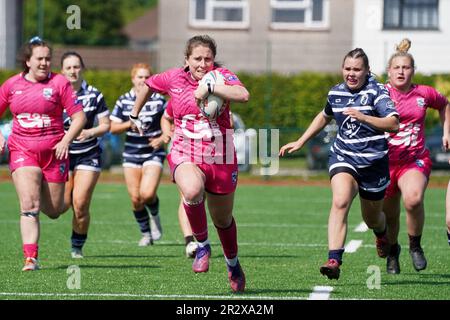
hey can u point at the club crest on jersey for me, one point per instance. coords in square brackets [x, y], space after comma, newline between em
[47, 93]
[364, 99]
[420, 102]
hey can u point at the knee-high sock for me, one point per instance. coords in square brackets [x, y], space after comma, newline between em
[30, 250]
[196, 214]
[228, 238]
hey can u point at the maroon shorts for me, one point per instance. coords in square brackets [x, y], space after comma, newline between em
[220, 178]
[396, 170]
[38, 153]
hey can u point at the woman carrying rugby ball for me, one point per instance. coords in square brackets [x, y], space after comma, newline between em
[202, 159]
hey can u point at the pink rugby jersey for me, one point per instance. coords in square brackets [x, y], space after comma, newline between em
[409, 141]
[196, 138]
[37, 108]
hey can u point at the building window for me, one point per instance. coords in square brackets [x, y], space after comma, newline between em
[411, 14]
[221, 14]
[299, 14]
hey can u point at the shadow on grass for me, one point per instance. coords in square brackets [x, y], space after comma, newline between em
[107, 266]
[123, 256]
[268, 256]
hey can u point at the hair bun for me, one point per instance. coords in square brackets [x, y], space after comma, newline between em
[404, 45]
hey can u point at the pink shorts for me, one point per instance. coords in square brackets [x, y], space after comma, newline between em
[220, 178]
[38, 153]
[396, 170]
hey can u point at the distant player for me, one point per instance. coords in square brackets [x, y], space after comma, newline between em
[143, 156]
[358, 161]
[409, 160]
[38, 146]
[201, 165]
[84, 151]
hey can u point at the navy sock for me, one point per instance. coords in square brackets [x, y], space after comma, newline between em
[448, 236]
[153, 207]
[379, 234]
[414, 241]
[78, 240]
[143, 219]
[188, 239]
[336, 255]
[394, 250]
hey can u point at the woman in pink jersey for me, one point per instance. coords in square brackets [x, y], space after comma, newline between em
[202, 158]
[409, 160]
[38, 147]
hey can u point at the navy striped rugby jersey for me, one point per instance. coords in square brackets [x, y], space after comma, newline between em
[94, 107]
[359, 143]
[136, 146]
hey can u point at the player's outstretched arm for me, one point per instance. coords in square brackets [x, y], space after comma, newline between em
[319, 122]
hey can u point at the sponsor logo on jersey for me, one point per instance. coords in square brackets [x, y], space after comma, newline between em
[47, 93]
[176, 90]
[390, 104]
[340, 158]
[232, 78]
[420, 102]
[19, 160]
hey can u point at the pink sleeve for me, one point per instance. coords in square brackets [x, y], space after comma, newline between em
[161, 82]
[168, 113]
[4, 99]
[435, 99]
[230, 78]
[69, 98]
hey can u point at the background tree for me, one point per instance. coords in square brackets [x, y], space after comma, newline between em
[101, 21]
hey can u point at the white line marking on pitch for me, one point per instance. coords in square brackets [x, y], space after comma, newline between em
[320, 293]
[362, 227]
[352, 246]
[146, 296]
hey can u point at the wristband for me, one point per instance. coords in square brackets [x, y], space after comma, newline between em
[133, 117]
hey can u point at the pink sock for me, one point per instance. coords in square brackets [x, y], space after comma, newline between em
[228, 238]
[197, 218]
[30, 250]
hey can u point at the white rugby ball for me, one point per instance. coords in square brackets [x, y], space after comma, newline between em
[212, 106]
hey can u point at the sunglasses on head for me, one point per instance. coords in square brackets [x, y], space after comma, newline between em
[36, 40]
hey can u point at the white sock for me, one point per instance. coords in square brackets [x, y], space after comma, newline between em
[232, 262]
[203, 244]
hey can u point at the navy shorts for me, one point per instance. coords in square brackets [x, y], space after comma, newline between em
[90, 161]
[372, 180]
[134, 161]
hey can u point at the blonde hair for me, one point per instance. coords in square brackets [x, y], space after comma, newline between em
[138, 66]
[401, 50]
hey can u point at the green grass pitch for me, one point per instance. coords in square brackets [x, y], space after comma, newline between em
[282, 233]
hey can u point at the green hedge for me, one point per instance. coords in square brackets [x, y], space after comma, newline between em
[276, 101]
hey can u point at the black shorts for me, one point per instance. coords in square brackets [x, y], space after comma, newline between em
[90, 160]
[372, 180]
